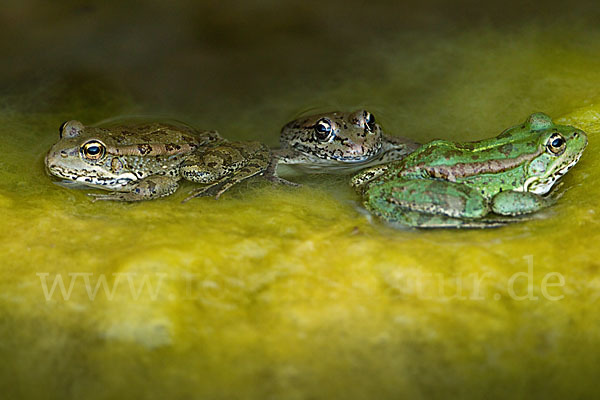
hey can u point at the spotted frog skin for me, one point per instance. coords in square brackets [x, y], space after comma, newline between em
[474, 184]
[145, 161]
[337, 142]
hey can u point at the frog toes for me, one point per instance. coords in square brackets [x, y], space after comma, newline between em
[114, 196]
[197, 193]
[98, 197]
[280, 181]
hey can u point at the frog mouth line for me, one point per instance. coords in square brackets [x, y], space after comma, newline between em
[352, 159]
[543, 186]
[91, 178]
[341, 159]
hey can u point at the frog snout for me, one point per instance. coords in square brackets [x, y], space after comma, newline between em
[579, 139]
[359, 119]
[49, 161]
[358, 148]
[50, 156]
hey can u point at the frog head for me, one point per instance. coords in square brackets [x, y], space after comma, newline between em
[81, 155]
[335, 137]
[559, 148]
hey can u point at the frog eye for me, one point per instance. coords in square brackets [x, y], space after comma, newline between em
[323, 130]
[93, 150]
[369, 120]
[556, 144]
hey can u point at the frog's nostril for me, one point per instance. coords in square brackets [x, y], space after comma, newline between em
[357, 148]
[64, 154]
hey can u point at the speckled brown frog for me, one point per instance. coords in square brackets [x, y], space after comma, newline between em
[145, 161]
[337, 142]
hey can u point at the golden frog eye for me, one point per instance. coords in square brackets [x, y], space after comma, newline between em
[93, 150]
[556, 144]
[323, 130]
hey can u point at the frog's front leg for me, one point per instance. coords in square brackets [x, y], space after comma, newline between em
[432, 197]
[150, 188]
[417, 219]
[225, 165]
[243, 173]
[396, 148]
[278, 156]
[517, 203]
[360, 181]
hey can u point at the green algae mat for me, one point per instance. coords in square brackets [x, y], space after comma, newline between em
[275, 292]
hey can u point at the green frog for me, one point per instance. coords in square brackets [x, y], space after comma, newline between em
[474, 184]
[336, 142]
[145, 161]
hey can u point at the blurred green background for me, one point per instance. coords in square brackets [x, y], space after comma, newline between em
[293, 293]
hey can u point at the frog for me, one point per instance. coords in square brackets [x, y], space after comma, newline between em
[146, 160]
[336, 143]
[481, 184]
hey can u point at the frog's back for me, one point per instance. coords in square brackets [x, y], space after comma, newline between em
[159, 132]
[444, 152]
[437, 152]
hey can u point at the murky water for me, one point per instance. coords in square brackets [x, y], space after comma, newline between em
[279, 292]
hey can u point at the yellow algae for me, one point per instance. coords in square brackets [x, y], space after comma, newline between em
[281, 292]
[276, 290]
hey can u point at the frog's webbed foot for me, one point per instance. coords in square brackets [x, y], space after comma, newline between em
[556, 193]
[110, 196]
[193, 194]
[405, 219]
[205, 191]
[120, 196]
[225, 184]
[225, 166]
[270, 172]
[70, 184]
[280, 181]
[415, 219]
